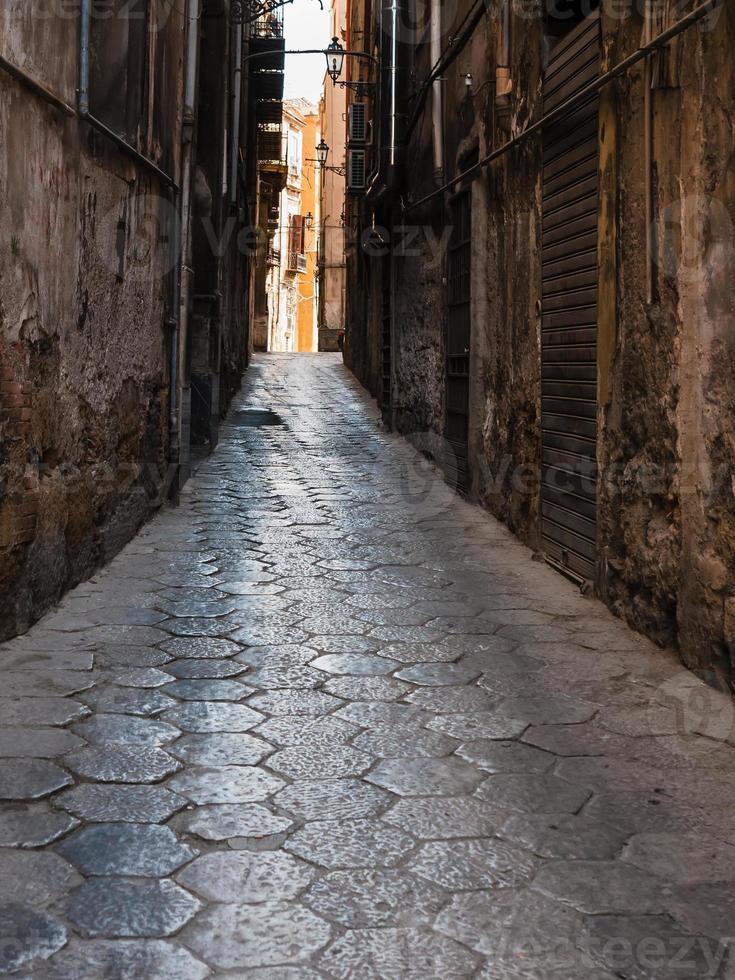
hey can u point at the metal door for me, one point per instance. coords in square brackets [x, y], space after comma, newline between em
[386, 321]
[569, 306]
[458, 343]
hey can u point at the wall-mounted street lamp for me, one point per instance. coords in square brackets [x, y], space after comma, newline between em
[309, 221]
[322, 153]
[335, 54]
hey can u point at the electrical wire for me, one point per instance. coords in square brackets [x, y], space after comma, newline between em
[472, 18]
[657, 42]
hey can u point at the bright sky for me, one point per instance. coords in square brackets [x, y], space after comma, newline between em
[306, 26]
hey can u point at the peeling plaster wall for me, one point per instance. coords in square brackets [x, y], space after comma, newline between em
[666, 370]
[83, 347]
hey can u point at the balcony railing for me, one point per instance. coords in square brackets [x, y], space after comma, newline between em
[272, 147]
[296, 262]
[270, 22]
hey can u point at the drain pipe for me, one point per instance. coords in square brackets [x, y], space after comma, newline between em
[85, 32]
[185, 215]
[503, 81]
[174, 441]
[437, 93]
[648, 150]
[394, 80]
[236, 107]
[192, 60]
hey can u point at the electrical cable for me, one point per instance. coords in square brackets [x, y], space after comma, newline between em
[659, 41]
[459, 40]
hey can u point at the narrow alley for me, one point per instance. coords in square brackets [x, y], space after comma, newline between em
[328, 719]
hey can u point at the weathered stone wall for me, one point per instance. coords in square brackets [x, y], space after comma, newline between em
[666, 369]
[84, 294]
[418, 402]
[668, 441]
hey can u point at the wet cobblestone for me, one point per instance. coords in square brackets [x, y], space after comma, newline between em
[326, 719]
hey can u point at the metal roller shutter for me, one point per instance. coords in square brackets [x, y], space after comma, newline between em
[569, 311]
[458, 343]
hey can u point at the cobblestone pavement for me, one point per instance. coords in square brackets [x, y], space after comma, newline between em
[326, 719]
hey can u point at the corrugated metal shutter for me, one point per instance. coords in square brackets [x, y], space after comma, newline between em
[385, 333]
[458, 343]
[569, 325]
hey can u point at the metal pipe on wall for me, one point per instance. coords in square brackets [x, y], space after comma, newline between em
[437, 93]
[85, 32]
[174, 442]
[693, 17]
[185, 212]
[454, 48]
[182, 255]
[83, 94]
[393, 121]
[236, 108]
[192, 58]
[38, 88]
[648, 150]
[503, 81]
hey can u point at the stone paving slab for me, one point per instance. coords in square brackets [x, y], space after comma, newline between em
[326, 719]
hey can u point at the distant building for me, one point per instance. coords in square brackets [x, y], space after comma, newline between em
[333, 130]
[290, 284]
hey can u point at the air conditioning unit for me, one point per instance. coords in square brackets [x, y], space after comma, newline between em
[358, 128]
[356, 171]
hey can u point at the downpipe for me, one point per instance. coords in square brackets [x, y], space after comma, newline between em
[236, 109]
[437, 93]
[85, 32]
[648, 150]
[174, 438]
[185, 214]
[503, 80]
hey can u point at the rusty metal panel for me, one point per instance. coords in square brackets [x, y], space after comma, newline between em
[569, 302]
